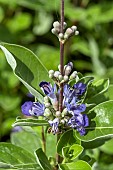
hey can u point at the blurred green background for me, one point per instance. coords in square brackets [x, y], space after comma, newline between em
[29, 23]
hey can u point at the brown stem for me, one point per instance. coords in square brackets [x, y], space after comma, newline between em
[43, 140]
[58, 158]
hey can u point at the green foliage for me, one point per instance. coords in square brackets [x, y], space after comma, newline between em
[26, 67]
[14, 157]
[23, 22]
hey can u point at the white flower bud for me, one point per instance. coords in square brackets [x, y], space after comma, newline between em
[60, 77]
[56, 24]
[53, 31]
[47, 104]
[64, 25]
[58, 113]
[74, 28]
[59, 67]
[68, 70]
[46, 99]
[47, 112]
[71, 64]
[73, 75]
[51, 76]
[66, 36]
[61, 35]
[56, 74]
[76, 32]
[62, 121]
[69, 31]
[51, 71]
[66, 78]
[64, 112]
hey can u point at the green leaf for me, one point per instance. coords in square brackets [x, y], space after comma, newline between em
[42, 27]
[33, 140]
[51, 145]
[26, 66]
[79, 165]
[42, 159]
[19, 22]
[67, 139]
[107, 147]
[95, 93]
[101, 122]
[98, 66]
[72, 152]
[30, 122]
[12, 156]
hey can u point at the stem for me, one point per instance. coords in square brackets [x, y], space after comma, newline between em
[61, 55]
[58, 158]
[43, 140]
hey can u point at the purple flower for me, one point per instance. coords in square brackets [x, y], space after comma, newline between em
[76, 108]
[79, 122]
[54, 123]
[69, 96]
[48, 89]
[79, 88]
[33, 108]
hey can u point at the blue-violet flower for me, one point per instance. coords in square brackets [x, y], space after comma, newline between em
[33, 108]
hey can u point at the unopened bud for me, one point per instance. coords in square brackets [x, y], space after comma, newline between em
[64, 112]
[47, 104]
[76, 32]
[58, 113]
[56, 74]
[62, 121]
[69, 31]
[66, 78]
[61, 35]
[46, 99]
[73, 75]
[56, 24]
[51, 76]
[74, 28]
[47, 112]
[64, 25]
[66, 36]
[60, 77]
[51, 71]
[68, 70]
[59, 67]
[70, 64]
[54, 31]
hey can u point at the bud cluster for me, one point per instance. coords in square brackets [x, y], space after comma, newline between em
[67, 34]
[59, 78]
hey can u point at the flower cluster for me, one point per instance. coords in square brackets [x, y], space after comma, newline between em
[72, 115]
[68, 32]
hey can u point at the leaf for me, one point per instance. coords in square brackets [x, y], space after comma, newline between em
[33, 140]
[96, 91]
[51, 145]
[30, 122]
[42, 159]
[98, 66]
[14, 156]
[79, 165]
[72, 152]
[26, 66]
[41, 27]
[101, 122]
[67, 139]
[107, 147]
